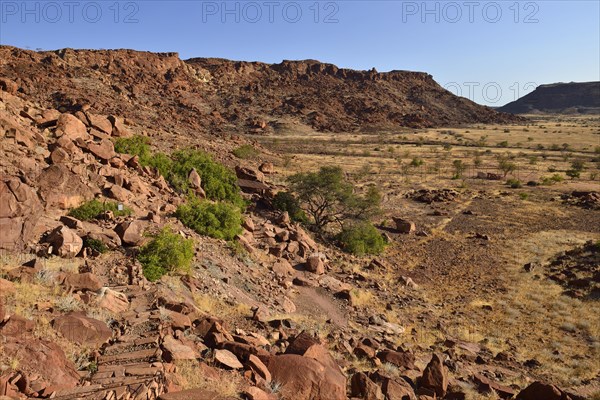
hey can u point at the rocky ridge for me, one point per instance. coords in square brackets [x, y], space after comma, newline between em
[215, 96]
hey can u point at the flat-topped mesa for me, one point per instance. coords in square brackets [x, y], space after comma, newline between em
[303, 69]
[213, 96]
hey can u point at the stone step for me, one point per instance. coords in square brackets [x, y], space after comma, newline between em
[146, 355]
[128, 348]
[121, 367]
[132, 338]
[128, 388]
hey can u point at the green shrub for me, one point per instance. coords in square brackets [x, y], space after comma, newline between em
[91, 209]
[167, 252]
[514, 183]
[136, 146]
[417, 162]
[218, 181]
[161, 162]
[285, 201]
[552, 179]
[94, 244]
[218, 220]
[246, 152]
[362, 238]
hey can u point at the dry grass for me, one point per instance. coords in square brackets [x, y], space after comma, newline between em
[227, 386]
[214, 306]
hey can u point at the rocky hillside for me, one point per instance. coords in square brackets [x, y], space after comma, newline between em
[215, 95]
[273, 314]
[570, 98]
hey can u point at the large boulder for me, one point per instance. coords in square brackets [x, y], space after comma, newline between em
[267, 168]
[131, 232]
[174, 349]
[364, 388]
[44, 364]
[401, 359]
[250, 174]
[315, 264]
[100, 122]
[397, 389]
[70, 126]
[19, 211]
[195, 182]
[435, 376]
[60, 187]
[542, 391]
[112, 300]
[104, 149]
[118, 127]
[404, 226]
[303, 378]
[228, 359]
[85, 281]
[65, 242]
[82, 330]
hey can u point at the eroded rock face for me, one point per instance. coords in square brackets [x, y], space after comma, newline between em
[82, 330]
[303, 378]
[65, 242]
[19, 209]
[60, 187]
[45, 365]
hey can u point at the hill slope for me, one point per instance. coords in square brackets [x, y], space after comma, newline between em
[571, 97]
[220, 95]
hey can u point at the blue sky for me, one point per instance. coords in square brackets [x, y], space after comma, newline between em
[491, 52]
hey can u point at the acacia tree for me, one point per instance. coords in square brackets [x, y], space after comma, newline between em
[459, 168]
[506, 166]
[328, 197]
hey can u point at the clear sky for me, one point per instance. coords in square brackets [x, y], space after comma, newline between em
[491, 52]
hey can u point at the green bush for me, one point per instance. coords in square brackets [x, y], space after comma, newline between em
[552, 179]
[91, 209]
[167, 252]
[573, 173]
[362, 238]
[417, 162]
[136, 146]
[246, 152]
[218, 181]
[218, 220]
[161, 162]
[95, 244]
[285, 201]
[514, 183]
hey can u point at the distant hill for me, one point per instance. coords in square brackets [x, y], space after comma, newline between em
[564, 98]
